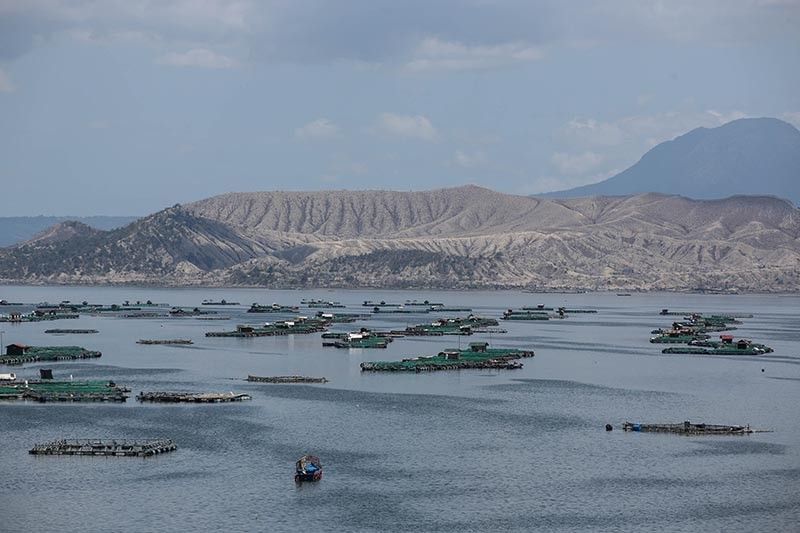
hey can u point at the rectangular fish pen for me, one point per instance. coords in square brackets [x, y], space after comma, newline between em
[64, 391]
[285, 379]
[106, 448]
[191, 397]
[478, 356]
[687, 428]
[32, 354]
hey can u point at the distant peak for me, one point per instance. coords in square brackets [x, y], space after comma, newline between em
[62, 231]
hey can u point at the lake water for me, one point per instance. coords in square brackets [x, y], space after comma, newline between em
[522, 450]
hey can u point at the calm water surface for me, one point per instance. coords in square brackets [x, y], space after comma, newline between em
[451, 451]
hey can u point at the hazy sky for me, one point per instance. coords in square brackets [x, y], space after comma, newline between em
[127, 106]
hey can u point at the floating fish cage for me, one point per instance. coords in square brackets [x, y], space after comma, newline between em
[105, 448]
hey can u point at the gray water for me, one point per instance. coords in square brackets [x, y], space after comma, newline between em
[518, 450]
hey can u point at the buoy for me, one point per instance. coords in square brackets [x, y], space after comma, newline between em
[609, 427]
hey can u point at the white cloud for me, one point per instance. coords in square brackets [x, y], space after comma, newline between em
[469, 160]
[5, 83]
[197, 57]
[322, 128]
[639, 130]
[411, 126]
[435, 54]
[576, 164]
[544, 184]
[589, 150]
[792, 117]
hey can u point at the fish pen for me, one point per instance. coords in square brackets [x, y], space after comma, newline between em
[274, 308]
[17, 354]
[71, 331]
[448, 326]
[19, 318]
[477, 356]
[285, 379]
[527, 315]
[687, 428]
[164, 341]
[64, 391]
[105, 448]
[742, 347]
[300, 327]
[191, 397]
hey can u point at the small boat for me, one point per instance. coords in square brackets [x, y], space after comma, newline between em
[308, 468]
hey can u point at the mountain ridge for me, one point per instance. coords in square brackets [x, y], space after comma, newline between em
[14, 230]
[465, 237]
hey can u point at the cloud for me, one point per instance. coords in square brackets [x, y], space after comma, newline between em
[322, 128]
[418, 33]
[5, 83]
[544, 184]
[639, 130]
[435, 54]
[469, 160]
[793, 117]
[576, 164]
[410, 126]
[197, 57]
[589, 150]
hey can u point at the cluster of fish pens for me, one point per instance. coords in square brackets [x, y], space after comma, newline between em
[692, 335]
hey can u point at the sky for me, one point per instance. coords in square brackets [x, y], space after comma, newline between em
[124, 107]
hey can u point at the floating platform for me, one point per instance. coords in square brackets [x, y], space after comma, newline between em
[189, 312]
[448, 326]
[15, 318]
[477, 356]
[71, 331]
[370, 303]
[339, 318]
[400, 310]
[677, 338]
[724, 347]
[287, 327]
[192, 397]
[322, 304]
[687, 428]
[667, 312]
[164, 341]
[285, 379]
[18, 354]
[220, 302]
[527, 315]
[274, 308]
[105, 448]
[360, 339]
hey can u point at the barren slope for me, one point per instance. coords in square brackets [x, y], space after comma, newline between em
[463, 237]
